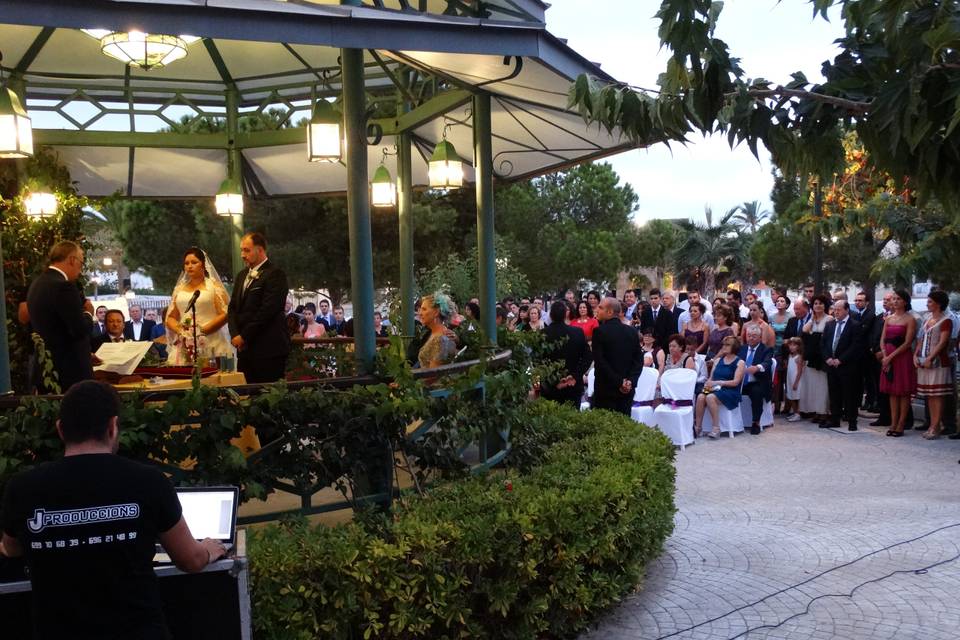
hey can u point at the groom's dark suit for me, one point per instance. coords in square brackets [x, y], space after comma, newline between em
[256, 313]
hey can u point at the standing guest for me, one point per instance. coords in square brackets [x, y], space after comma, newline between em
[864, 313]
[569, 347]
[159, 332]
[778, 322]
[669, 301]
[324, 316]
[693, 297]
[61, 316]
[719, 301]
[502, 320]
[115, 331]
[569, 296]
[653, 356]
[697, 327]
[657, 317]
[584, 319]
[255, 314]
[842, 349]
[105, 587]
[536, 321]
[801, 315]
[522, 320]
[312, 328]
[439, 348]
[380, 329]
[815, 397]
[294, 317]
[722, 387]
[617, 360]
[339, 321]
[898, 377]
[932, 361]
[724, 328]
[630, 304]
[794, 378]
[137, 328]
[756, 319]
[840, 294]
[735, 302]
[809, 291]
[757, 382]
[593, 299]
[876, 350]
[99, 324]
[472, 311]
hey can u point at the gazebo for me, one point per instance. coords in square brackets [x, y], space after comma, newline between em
[417, 93]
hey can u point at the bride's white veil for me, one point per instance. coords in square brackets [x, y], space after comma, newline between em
[213, 283]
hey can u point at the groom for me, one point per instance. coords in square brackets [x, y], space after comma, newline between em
[255, 315]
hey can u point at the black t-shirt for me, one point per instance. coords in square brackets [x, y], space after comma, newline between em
[88, 525]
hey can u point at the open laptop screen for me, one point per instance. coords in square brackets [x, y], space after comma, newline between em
[209, 512]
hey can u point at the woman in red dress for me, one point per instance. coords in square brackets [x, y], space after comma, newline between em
[898, 377]
[585, 320]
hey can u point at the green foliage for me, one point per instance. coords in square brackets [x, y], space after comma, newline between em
[459, 275]
[155, 234]
[537, 551]
[896, 80]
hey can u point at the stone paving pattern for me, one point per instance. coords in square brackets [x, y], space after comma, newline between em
[759, 517]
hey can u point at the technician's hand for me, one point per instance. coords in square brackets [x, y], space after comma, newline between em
[215, 549]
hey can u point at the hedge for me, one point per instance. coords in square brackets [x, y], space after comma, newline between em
[536, 550]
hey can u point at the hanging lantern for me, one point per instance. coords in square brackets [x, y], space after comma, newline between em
[446, 167]
[16, 131]
[145, 50]
[40, 204]
[323, 133]
[383, 191]
[108, 262]
[229, 200]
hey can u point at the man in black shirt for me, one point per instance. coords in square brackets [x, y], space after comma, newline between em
[88, 525]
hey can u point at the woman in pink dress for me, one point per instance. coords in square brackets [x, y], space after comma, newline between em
[312, 328]
[898, 377]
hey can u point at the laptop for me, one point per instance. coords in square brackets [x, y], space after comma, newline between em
[210, 512]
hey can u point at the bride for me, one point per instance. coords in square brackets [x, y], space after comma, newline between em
[199, 276]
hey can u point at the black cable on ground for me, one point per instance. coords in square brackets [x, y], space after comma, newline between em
[919, 571]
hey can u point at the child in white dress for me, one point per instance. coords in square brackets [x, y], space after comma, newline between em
[794, 378]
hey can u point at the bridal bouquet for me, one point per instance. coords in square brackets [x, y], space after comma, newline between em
[190, 352]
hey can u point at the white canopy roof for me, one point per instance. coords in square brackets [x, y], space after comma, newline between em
[100, 115]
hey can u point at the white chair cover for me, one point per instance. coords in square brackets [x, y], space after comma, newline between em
[746, 412]
[645, 392]
[730, 421]
[585, 403]
[701, 368]
[676, 422]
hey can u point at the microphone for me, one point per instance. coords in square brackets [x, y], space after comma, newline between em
[193, 301]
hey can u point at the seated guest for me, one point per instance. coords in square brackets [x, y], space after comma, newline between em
[92, 577]
[696, 327]
[115, 331]
[312, 328]
[757, 381]
[722, 387]
[569, 347]
[700, 364]
[653, 356]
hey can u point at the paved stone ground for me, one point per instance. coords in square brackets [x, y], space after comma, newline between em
[761, 517]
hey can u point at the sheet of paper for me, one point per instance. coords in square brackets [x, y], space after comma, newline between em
[121, 357]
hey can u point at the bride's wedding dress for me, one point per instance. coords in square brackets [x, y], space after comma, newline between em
[212, 302]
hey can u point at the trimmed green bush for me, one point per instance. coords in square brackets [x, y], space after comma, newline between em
[536, 550]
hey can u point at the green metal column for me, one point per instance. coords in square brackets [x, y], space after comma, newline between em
[358, 208]
[405, 215]
[234, 172]
[5, 386]
[483, 165]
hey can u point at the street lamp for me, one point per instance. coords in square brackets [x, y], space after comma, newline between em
[229, 200]
[16, 131]
[323, 133]
[446, 167]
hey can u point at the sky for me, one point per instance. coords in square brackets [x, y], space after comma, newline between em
[772, 40]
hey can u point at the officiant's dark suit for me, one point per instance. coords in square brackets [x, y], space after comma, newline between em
[617, 356]
[843, 380]
[60, 315]
[256, 316]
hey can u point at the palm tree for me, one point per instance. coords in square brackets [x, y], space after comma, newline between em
[708, 249]
[749, 216]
